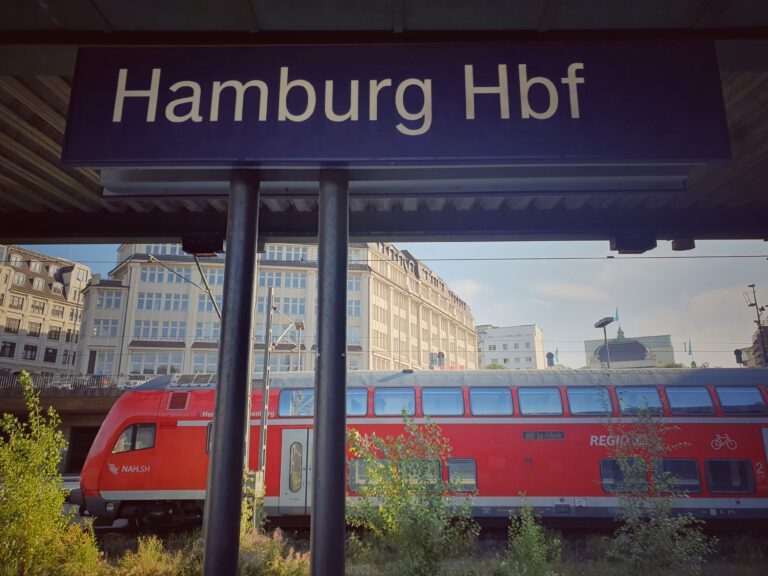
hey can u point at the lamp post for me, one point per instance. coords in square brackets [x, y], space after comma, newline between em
[602, 324]
[758, 309]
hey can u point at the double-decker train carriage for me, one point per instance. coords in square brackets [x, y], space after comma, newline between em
[545, 434]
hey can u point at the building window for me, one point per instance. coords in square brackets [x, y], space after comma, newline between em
[52, 269]
[174, 330]
[176, 302]
[205, 362]
[353, 283]
[35, 266]
[353, 308]
[38, 307]
[152, 274]
[146, 329]
[65, 357]
[12, 325]
[50, 355]
[296, 253]
[270, 279]
[54, 333]
[57, 311]
[30, 352]
[19, 279]
[156, 363]
[82, 275]
[295, 279]
[34, 329]
[207, 331]
[108, 299]
[105, 328]
[149, 300]
[15, 261]
[204, 303]
[105, 361]
[57, 288]
[38, 284]
[8, 349]
[16, 303]
[492, 347]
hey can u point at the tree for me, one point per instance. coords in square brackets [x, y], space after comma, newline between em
[495, 367]
[403, 503]
[652, 540]
[36, 535]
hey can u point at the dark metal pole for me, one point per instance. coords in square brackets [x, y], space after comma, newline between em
[759, 325]
[328, 529]
[221, 524]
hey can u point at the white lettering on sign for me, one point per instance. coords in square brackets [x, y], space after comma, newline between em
[617, 440]
[416, 119]
[411, 98]
[525, 84]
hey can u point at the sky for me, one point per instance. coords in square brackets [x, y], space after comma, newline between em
[565, 287]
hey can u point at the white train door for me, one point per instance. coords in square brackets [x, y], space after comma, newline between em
[296, 472]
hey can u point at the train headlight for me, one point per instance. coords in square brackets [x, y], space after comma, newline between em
[110, 506]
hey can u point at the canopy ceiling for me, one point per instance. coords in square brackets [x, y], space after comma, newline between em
[41, 201]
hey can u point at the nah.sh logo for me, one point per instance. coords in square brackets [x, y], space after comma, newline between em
[114, 469]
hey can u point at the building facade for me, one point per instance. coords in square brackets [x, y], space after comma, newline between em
[41, 305]
[636, 352]
[511, 347]
[154, 316]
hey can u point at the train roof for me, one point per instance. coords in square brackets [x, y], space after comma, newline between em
[619, 377]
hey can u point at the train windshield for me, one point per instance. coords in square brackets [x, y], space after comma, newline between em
[135, 437]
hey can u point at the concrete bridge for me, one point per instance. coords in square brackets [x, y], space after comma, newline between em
[81, 405]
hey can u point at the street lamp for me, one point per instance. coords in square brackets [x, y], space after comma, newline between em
[602, 324]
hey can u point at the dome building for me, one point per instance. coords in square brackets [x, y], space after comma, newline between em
[623, 352]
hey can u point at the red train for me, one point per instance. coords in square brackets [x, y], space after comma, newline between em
[542, 433]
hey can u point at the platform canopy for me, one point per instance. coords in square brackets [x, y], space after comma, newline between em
[631, 206]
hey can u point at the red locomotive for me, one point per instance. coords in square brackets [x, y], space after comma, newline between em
[541, 433]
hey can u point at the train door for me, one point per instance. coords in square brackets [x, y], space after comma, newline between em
[296, 472]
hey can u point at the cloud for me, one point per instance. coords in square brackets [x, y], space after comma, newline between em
[567, 291]
[465, 288]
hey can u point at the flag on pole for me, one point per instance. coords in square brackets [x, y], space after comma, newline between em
[616, 317]
[685, 346]
[690, 348]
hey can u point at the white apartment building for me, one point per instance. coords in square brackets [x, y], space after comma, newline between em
[40, 311]
[153, 316]
[513, 347]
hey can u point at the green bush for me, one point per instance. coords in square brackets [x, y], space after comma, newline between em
[404, 505]
[652, 540]
[151, 558]
[533, 551]
[36, 535]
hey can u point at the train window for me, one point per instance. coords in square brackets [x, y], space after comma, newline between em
[209, 438]
[628, 476]
[634, 400]
[358, 475]
[730, 476]
[589, 401]
[421, 472]
[689, 400]
[678, 474]
[741, 400]
[297, 402]
[442, 401]
[135, 437]
[462, 474]
[357, 402]
[393, 401]
[490, 401]
[295, 463]
[540, 401]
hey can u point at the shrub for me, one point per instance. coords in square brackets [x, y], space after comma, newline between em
[36, 535]
[151, 558]
[533, 551]
[270, 555]
[652, 540]
[404, 505]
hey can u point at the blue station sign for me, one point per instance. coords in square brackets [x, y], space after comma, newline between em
[638, 102]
